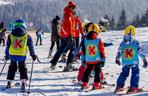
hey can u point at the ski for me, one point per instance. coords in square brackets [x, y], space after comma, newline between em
[4, 89]
[15, 85]
[86, 89]
[105, 84]
[108, 84]
[62, 71]
[77, 82]
[23, 90]
[143, 91]
[91, 89]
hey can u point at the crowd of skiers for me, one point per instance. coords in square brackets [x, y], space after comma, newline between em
[91, 50]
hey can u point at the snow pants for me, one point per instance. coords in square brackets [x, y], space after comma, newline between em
[76, 40]
[81, 71]
[97, 69]
[2, 40]
[13, 68]
[66, 44]
[39, 38]
[134, 82]
[53, 43]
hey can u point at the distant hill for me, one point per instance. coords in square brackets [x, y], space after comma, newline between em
[41, 12]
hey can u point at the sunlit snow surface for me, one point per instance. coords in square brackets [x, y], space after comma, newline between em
[53, 83]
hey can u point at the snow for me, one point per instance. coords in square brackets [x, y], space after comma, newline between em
[53, 83]
[2, 2]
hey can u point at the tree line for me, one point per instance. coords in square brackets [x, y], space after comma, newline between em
[123, 22]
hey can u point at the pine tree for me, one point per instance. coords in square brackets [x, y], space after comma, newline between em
[122, 21]
[112, 24]
[144, 19]
[136, 21]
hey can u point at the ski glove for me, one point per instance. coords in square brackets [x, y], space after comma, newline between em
[145, 63]
[34, 57]
[102, 62]
[118, 61]
[6, 58]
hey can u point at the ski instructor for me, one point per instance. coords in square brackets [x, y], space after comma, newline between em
[66, 37]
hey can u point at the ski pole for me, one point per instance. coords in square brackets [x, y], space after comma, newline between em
[38, 60]
[3, 67]
[30, 78]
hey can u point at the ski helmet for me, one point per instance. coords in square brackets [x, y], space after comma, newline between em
[130, 30]
[94, 27]
[20, 23]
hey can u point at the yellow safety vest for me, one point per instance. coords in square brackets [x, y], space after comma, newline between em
[18, 45]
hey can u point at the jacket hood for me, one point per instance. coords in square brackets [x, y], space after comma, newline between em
[68, 11]
[71, 3]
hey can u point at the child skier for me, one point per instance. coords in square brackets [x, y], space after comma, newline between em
[39, 34]
[94, 56]
[17, 45]
[83, 67]
[129, 50]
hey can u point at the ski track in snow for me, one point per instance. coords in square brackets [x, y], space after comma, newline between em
[53, 83]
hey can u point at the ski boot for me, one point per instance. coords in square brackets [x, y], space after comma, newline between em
[66, 69]
[133, 90]
[50, 54]
[103, 82]
[96, 86]
[8, 84]
[23, 85]
[85, 85]
[69, 67]
[52, 67]
[118, 89]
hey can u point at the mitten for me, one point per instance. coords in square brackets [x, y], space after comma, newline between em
[118, 61]
[6, 58]
[102, 62]
[145, 63]
[34, 57]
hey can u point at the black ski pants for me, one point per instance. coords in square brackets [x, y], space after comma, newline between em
[53, 43]
[90, 67]
[13, 68]
[66, 44]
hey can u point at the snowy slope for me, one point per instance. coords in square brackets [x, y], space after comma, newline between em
[50, 83]
[2, 2]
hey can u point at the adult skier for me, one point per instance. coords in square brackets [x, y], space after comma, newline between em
[55, 36]
[66, 37]
[2, 33]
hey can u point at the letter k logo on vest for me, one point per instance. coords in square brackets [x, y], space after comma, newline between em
[91, 50]
[129, 53]
[17, 43]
